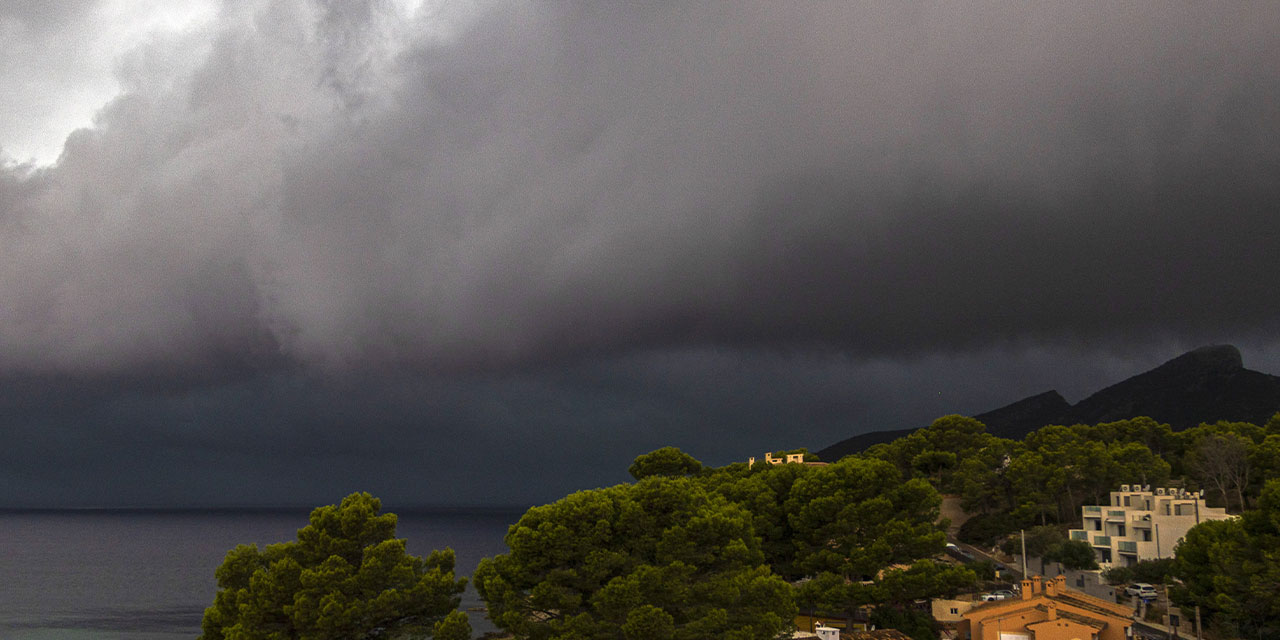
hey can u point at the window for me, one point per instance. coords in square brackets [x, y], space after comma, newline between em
[1120, 530]
[955, 611]
[1126, 501]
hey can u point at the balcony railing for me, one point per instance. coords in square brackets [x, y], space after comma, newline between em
[1102, 541]
[1127, 546]
[1089, 509]
[1080, 535]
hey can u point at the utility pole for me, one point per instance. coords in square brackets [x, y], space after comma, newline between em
[1197, 622]
[1024, 553]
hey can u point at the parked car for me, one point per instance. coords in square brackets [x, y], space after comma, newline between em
[993, 596]
[1140, 590]
[1004, 594]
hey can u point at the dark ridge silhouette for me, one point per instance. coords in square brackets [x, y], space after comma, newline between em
[1010, 421]
[1204, 385]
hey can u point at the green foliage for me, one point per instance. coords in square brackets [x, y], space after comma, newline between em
[1040, 540]
[1030, 478]
[454, 626]
[936, 451]
[1273, 425]
[853, 519]
[764, 493]
[1265, 458]
[1072, 554]
[985, 570]
[1220, 456]
[984, 530]
[1049, 543]
[1073, 469]
[1156, 436]
[958, 434]
[1134, 462]
[981, 477]
[934, 464]
[346, 577]
[664, 558]
[1152, 571]
[1231, 569]
[1056, 469]
[917, 624]
[1118, 575]
[1046, 478]
[667, 461]
[923, 579]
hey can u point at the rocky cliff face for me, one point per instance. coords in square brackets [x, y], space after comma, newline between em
[1205, 385]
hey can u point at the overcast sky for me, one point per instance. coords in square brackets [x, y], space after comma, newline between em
[454, 252]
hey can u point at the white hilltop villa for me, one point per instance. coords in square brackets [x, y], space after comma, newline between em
[1141, 524]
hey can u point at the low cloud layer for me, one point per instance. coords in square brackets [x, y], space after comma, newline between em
[516, 439]
[340, 185]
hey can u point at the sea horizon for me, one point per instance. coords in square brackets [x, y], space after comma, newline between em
[264, 508]
[146, 572]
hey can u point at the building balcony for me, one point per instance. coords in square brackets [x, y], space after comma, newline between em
[1079, 534]
[1102, 541]
[1127, 546]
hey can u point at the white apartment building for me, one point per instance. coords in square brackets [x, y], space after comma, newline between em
[1141, 524]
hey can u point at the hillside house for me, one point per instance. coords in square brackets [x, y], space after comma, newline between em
[1141, 524]
[1047, 610]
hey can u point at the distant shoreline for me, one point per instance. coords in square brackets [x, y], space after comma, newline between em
[495, 510]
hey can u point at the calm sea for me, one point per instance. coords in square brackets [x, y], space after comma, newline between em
[148, 575]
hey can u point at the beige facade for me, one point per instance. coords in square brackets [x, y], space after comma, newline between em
[951, 611]
[791, 458]
[768, 457]
[1047, 610]
[811, 622]
[1141, 524]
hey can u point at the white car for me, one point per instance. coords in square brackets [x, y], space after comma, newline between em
[1140, 590]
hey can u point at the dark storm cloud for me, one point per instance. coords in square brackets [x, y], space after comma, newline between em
[490, 254]
[340, 187]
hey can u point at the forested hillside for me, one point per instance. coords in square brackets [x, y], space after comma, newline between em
[1205, 385]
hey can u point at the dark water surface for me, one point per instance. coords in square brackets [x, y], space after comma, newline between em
[148, 575]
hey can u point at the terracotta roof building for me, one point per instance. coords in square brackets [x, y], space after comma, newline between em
[1047, 610]
[877, 634]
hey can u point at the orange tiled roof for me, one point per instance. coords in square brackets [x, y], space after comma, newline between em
[877, 634]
